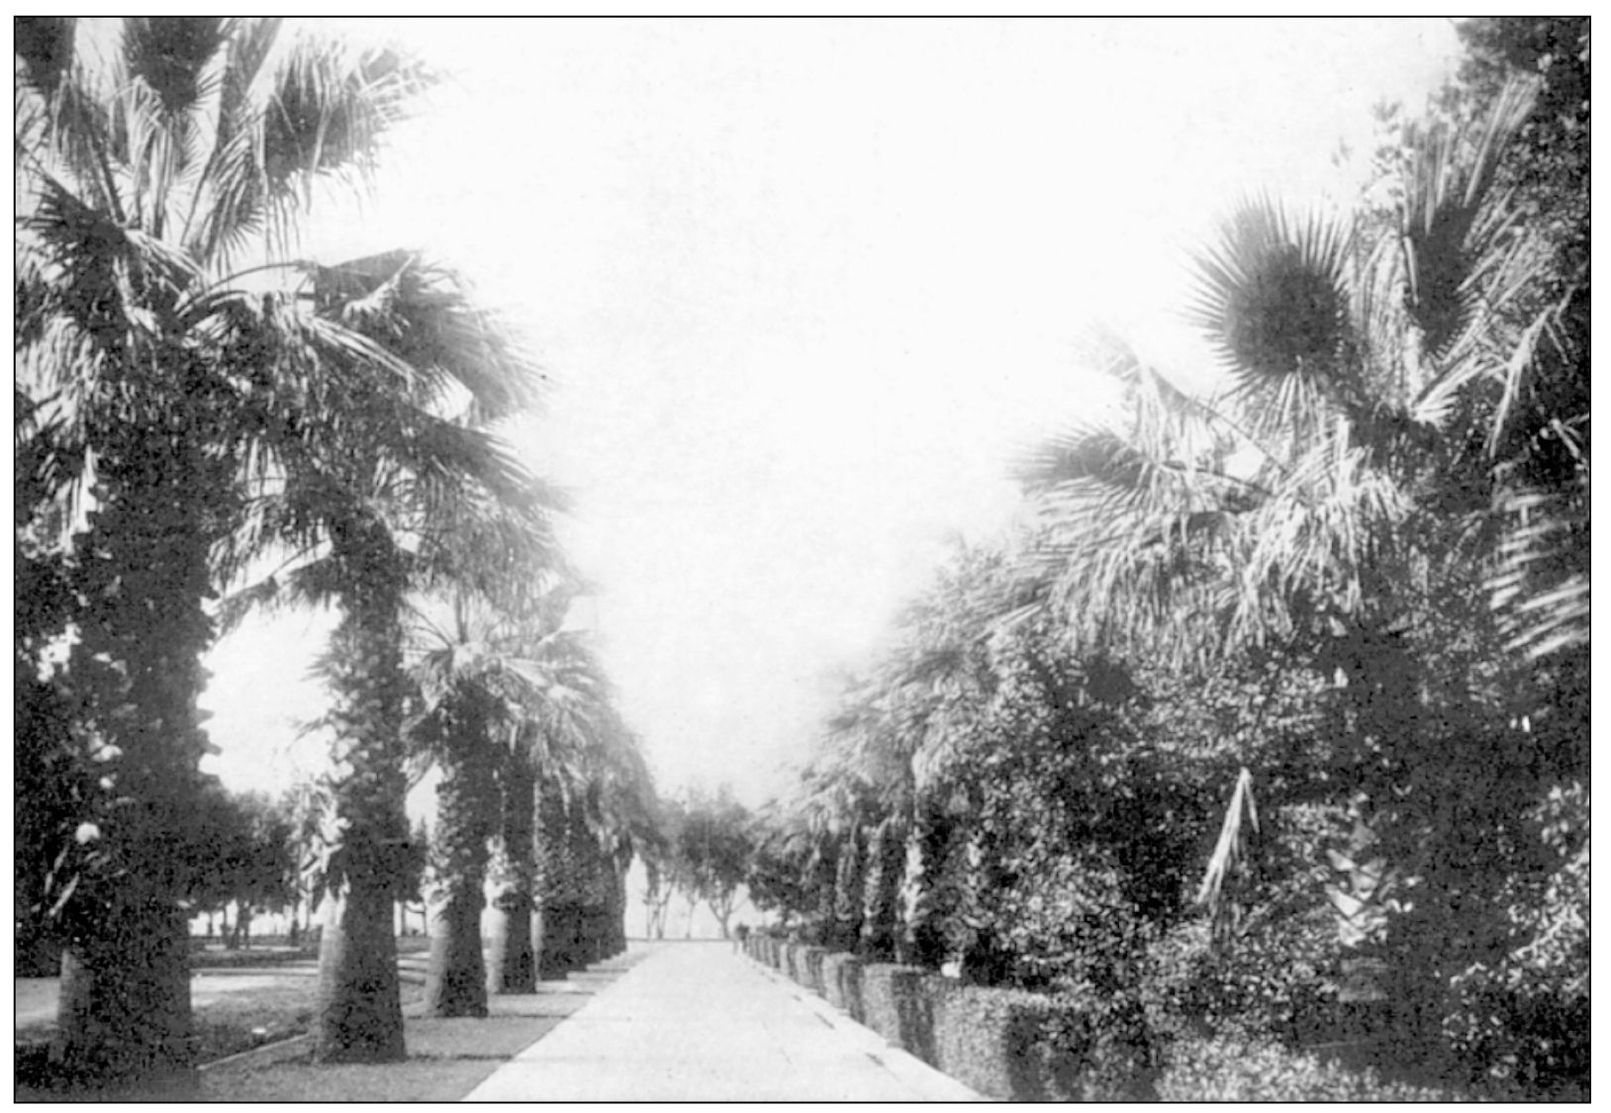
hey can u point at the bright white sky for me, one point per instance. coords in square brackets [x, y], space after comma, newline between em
[802, 288]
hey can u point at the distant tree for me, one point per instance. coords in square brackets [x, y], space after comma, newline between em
[246, 857]
[661, 868]
[713, 850]
[773, 878]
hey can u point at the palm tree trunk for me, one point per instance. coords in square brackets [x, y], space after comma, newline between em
[881, 914]
[512, 959]
[456, 979]
[561, 885]
[849, 898]
[540, 940]
[618, 929]
[125, 1000]
[554, 959]
[124, 1007]
[622, 938]
[919, 941]
[358, 1010]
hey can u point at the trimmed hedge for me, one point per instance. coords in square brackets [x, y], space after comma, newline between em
[896, 1007]
[841, 976]
[810, 963]
[996, 1041]
[1007, 1044]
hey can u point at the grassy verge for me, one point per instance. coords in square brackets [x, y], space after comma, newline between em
[446, 1058]
[224, 1025]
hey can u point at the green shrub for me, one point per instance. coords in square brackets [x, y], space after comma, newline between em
[1099, 1046]
[809, 965]
[989, 1039]
[1018, 1045]
[841, 976]
[1279, 974]
[1525, 1018]
[897, 1009]
[1235, 1066]
[1278, 978]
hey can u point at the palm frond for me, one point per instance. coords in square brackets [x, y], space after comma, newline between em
[44, 44]
[1272, 296]
[1452, 221]
[170, 54]
[1540, 582]
[1230, 867]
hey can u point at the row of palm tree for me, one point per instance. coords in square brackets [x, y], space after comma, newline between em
[1400, 460]
[515, 711]
[1406, 431]
[195, 402]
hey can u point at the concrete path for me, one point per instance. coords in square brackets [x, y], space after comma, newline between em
[697, 1022]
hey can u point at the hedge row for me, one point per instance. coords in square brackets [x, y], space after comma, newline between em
[998, 1041]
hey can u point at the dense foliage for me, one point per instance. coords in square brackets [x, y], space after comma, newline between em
[1272, 721]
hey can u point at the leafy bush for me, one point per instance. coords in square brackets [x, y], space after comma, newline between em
[809, 967]
[980, 1037]
[841, 978]
[1067, 922]
[1526, 1017]
[896, 1007]
[1279, 974]
[1101, 1046]
[1017, 1045]
[1071, 838]
[1235, 1066]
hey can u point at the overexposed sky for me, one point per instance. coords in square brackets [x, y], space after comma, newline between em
[802, 287]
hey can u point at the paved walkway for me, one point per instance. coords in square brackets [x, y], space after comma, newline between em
[697, 1022]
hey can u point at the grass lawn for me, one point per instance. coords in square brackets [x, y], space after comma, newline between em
[446, 1058]
[263, 1009]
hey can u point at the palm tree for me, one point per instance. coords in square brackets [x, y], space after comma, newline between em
[419, 496]
[567, 711]
[152, 153]
[1355, 485]
[505, 691]
[593, 817]
[464, 715]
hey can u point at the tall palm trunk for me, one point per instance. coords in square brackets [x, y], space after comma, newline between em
[456, 979]
[125, 998]
[512, 957]
[618, 907]
[562, 883]
[358, 1011]
[849, 899]
[881, 914]
[920, 942]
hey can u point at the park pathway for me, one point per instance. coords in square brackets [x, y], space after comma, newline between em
[697, 1022]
